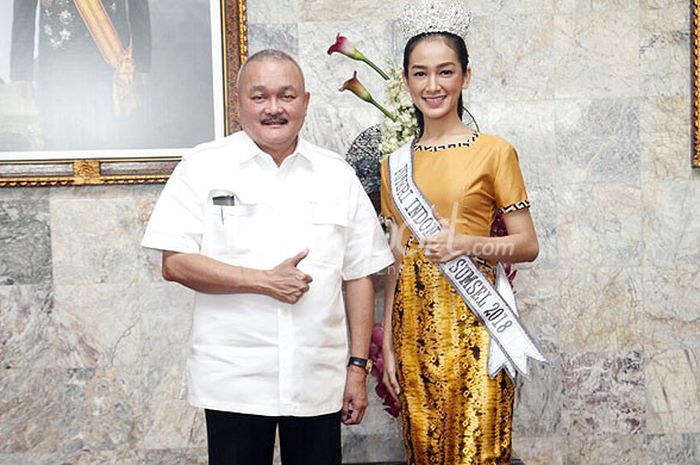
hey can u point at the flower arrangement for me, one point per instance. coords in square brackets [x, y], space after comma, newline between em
[399, 126]
[404, 127]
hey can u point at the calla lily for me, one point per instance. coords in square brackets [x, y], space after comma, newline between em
[343, 46]
[355, 86]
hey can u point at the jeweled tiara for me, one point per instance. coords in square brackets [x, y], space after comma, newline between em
[435, 16]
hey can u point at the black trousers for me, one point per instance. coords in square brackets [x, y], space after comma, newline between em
[241, 439]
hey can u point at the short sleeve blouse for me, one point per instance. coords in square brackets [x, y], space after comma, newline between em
[467, 182]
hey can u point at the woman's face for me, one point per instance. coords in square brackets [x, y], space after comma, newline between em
[435, 79]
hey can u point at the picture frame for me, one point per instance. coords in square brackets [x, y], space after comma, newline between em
[50, 154]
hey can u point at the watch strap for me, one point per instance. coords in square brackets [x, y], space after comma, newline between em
[359, 362]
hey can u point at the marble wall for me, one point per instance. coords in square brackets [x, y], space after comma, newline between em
[596, 96]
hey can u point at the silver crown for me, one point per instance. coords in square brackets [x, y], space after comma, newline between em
[435, 16]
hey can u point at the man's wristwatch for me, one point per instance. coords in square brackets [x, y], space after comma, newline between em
[364, 363]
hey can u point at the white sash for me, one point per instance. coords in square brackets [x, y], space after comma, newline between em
[494, 306]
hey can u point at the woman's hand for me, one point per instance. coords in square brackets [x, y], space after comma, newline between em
[445, 245]
[520, 245]
[389, 373]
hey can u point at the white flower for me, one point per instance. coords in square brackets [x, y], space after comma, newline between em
[396, 133]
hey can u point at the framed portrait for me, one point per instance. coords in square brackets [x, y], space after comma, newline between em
[695, 79]
[113, 91]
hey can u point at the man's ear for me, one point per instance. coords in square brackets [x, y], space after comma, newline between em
[307, 98]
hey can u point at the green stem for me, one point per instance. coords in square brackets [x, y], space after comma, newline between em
[383, 110]
[376, 68]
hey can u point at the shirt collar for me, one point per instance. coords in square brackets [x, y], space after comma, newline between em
[250, 149]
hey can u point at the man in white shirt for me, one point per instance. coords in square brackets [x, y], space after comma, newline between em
[267, 228]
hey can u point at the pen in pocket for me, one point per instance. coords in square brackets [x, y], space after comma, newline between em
[222, 201]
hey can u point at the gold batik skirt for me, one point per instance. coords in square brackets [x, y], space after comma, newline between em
[452, 411]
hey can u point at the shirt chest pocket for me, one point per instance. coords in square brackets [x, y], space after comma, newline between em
[232, 229]
[329, 223]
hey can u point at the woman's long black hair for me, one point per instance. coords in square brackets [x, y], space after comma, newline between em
[457, 44]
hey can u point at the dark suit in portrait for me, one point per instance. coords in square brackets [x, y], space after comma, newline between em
[72, 79]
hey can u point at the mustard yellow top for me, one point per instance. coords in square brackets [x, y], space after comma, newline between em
[467, 182]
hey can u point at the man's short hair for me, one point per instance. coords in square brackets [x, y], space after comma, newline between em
[269, 54]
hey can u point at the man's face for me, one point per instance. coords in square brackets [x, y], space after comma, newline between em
[272, 103]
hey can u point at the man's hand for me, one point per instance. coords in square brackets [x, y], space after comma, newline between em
[355, 396]
[286, 282]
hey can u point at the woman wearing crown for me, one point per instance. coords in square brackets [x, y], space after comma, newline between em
[456, 406]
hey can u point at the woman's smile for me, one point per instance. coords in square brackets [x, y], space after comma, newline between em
[436, 101]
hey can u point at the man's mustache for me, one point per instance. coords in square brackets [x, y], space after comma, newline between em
[274, 120]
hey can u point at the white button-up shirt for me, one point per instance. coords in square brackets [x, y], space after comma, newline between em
[251, 353]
